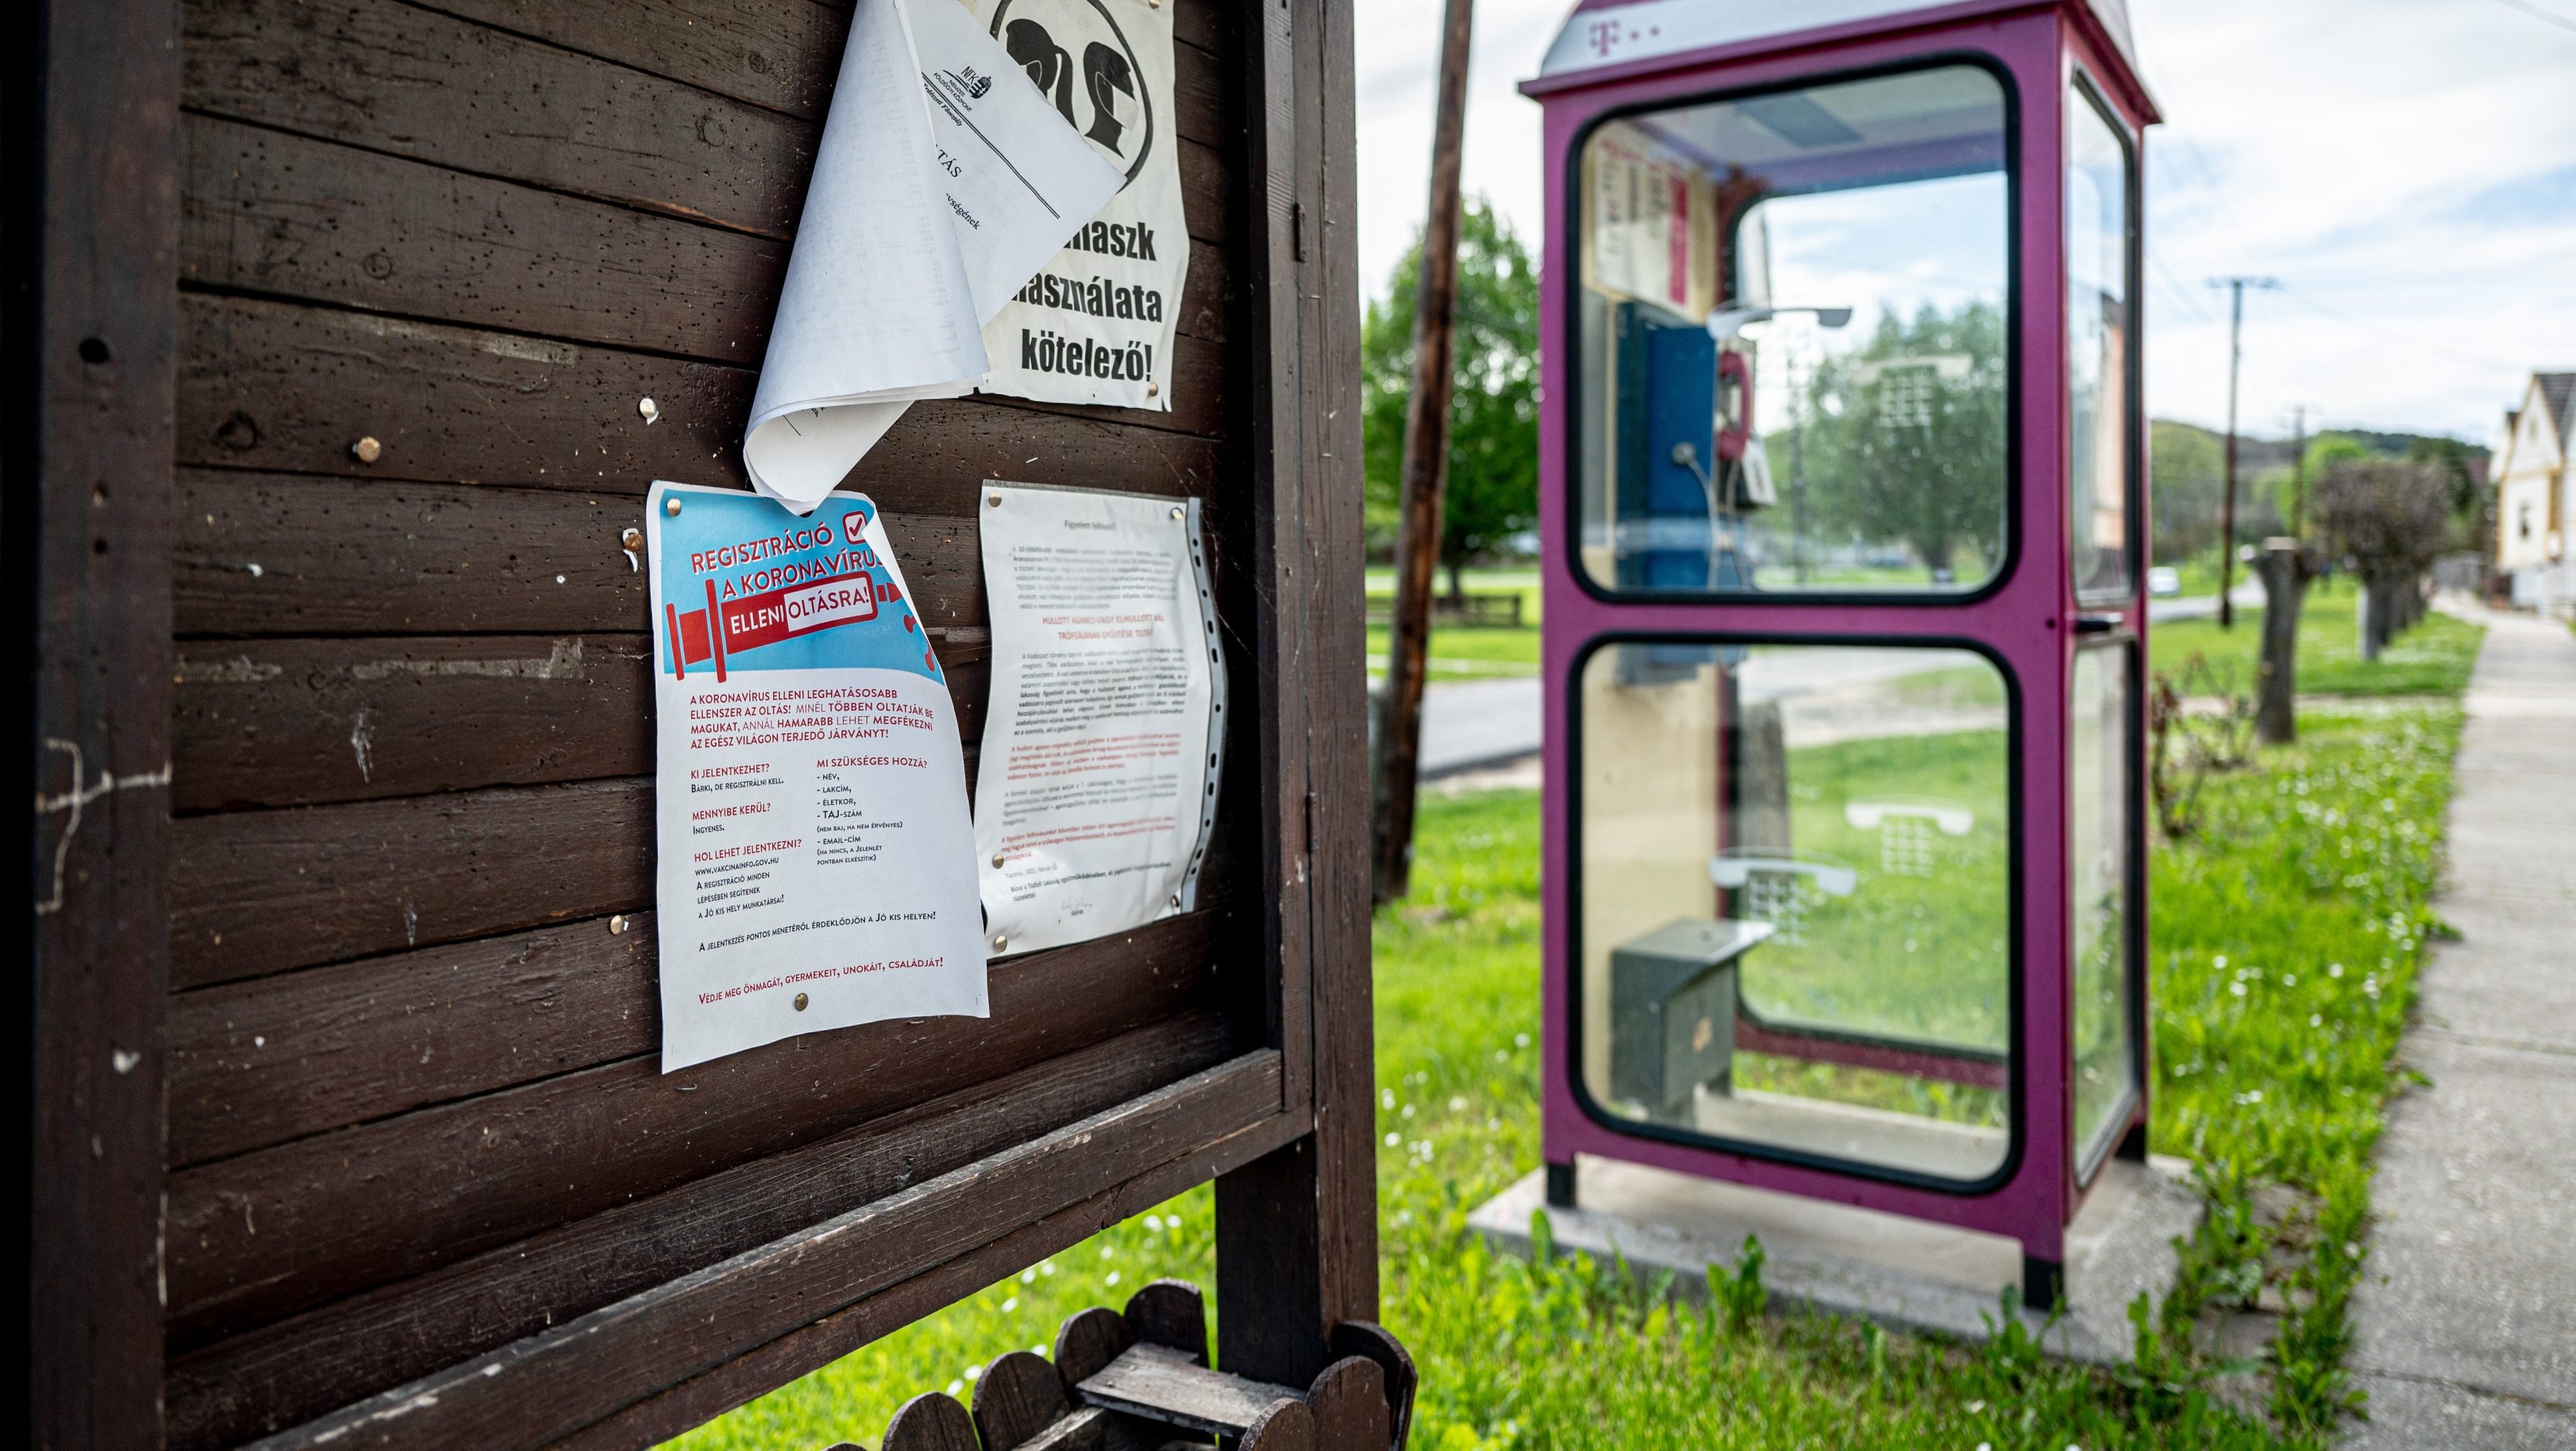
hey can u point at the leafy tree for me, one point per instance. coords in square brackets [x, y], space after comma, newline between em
[1902, 447]
[1492, 489]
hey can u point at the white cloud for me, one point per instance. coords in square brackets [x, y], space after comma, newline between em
[2407, 168]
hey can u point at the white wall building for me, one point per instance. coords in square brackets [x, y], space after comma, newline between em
[2535, 517]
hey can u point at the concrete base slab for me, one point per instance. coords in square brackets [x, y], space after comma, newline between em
[2417, 1415]
[1841, 1260]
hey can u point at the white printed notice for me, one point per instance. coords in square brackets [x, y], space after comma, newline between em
[1095, 325]
[940, 185]
[815, 859]
[1096, 788]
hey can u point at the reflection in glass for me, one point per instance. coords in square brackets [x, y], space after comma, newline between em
[1794, 899]
[1792, 340]
[2097, 347]
[2098, 870]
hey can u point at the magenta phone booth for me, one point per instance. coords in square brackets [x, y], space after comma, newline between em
[1843, 489]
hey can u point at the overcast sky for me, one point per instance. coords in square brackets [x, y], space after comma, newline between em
[2406, 168]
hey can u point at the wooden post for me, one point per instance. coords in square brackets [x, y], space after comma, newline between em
[1397, 766]
[92, 229]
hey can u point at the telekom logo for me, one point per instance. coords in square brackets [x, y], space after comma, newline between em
[1606, 36]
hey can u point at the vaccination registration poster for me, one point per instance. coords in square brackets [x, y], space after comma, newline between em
[816, 862]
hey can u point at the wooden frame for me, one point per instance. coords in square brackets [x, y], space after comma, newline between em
[367, 730]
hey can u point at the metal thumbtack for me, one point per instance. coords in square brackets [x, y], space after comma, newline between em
[997, 859]
[1176, 900]
[1000, 942]
[671, 506]
[800, 1002]
[651, 410]
[1178, 511]
[993, 499]
[632, 541]
[1153, 390]
[367, 450]
[617, 925]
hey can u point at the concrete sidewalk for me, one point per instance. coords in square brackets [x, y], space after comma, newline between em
[2466, 1319]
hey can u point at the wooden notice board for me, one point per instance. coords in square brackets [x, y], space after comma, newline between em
[346, 1121]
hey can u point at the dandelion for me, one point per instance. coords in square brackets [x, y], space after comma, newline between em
[1106, 1252]
[1394, 1139]
[1975, 1407]
[1110, 1279]
[1408, 1110]
[1153, 1221]
[2334, 969]
[972, 1371]
[1520, 1040]
[1046, 1267]
[1039, 1349]
[2316, 1020]
[2237, 988]
[1029, 1276]
[955, 1386]
[1010, 1304]
[1386, 1098]
[1502, 1055]
[1457, 1105]
[2220, 961]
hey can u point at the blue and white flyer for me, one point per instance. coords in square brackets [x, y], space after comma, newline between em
[816, 860]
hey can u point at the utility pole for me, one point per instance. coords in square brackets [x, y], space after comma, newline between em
[1398, 761]
[2227, 510]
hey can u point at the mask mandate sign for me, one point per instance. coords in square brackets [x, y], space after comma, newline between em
[1096, 324]
[816, 861]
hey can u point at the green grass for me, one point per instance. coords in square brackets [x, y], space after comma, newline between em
[2285, 937]
[2434, 658]
[1466, 652]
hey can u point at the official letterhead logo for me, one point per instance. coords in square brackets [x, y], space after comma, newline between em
[1109, 104]
[976, 83]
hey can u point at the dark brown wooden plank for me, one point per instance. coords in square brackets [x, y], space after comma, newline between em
[282, 387]
[1296, 1231]
[1283, 1425]
[1167, 1385]
[309, 1364]
[283, 215]
[259, 892]
[297, 722]
[1350, 1406]
[1018, 1395]
[556, 1383]
[1088, 1340]
[705, 1395]
[1171, 1314]
[413, 82]
[342, 557]
[931, 1422]
[274, 1059]
[263, 1235]
[88, 203]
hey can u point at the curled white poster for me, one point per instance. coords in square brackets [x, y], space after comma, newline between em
[1095, 325]
[815, 862]
[1096, 787]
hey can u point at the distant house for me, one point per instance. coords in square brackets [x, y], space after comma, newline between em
[2535, 517]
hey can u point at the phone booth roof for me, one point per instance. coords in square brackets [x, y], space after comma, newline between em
[1611, 39]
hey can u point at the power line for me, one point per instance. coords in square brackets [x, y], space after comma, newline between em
[2317, 305]
[2546, 17]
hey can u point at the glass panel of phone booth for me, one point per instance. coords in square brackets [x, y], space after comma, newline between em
[2098, 870]
[1795, 902]
[1791, 336]
[2097, 348]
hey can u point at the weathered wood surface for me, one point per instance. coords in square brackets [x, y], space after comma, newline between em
[1282, 1426]
[931, 1422]
[260, 892]
[1350, 1406]
[435, 87]
[1371, 1341]
[88, 203]
[827, 1339]
[281, 387]
[1171, 1314]
[1167, 1385]
[311, 1363]
[1018, 1395]
[1088, 1340]
[265, 1234]
[560, 1381]
[346, 557]
[298, 722]
[281, 215]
